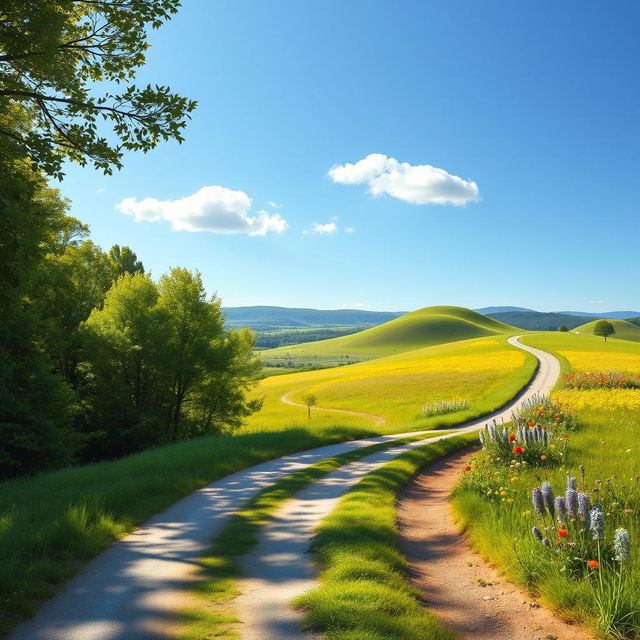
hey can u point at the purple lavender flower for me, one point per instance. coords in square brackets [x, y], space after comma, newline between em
[596, 525]
[546, 542]
[561, 508]
[584, 506]
[547, 496]
[538, 501]
[581, 470]
[572, 502]
[622, 545]
[571, 483]
[537, 533]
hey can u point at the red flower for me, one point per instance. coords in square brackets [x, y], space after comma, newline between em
[512, 438]
[563, 533]
[593, 564]
[566, 436]
[467, 468]
[518, 450]
[532, 423]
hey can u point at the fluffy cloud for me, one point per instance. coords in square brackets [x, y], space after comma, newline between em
[318, 228]
[416, 184]
[215, 209]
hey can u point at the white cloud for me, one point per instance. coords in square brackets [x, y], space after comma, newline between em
[355, 305]
[416, 184]
[350, 229]
[101, 190]
[596, 302]
[274, 205]
[318, 228]
[215, 209]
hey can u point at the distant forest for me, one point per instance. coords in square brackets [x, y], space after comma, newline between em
[284, 338]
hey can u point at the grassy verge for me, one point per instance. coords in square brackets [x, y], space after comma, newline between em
[364, 594]
[501, 531]
[52, 523]
[213, 616]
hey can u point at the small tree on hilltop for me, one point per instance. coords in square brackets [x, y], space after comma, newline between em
[563, 327]
[310, 400]
[603, 328]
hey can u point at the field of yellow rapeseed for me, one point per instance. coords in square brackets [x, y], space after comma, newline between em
[603, 360]
[599, 400]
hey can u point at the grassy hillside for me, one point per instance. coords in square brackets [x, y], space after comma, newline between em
[624, 330]
[485, 372]
[422, 328]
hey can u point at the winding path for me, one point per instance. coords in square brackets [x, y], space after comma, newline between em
[377, 420]
[279, 567]
[129, 592]
[479, 604]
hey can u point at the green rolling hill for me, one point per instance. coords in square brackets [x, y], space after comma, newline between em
[624, 330]
[423, 328]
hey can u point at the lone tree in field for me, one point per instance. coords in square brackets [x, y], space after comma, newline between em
[563, 327]
[310, 400]
[603, 328]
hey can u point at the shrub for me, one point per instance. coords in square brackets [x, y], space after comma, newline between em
[443, 406]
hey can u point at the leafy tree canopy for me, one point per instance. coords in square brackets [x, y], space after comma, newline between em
[54, 54]
[124, 261]
[604, 329]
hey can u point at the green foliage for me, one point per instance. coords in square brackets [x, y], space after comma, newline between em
[170, 369]
[604, 329]
[35, 403]
[53, 57]
[124, 261]
[563, 328]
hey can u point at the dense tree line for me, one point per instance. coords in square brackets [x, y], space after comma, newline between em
[97, 359]
[283, 338]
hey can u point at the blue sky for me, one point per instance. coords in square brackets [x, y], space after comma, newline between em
[530, 108]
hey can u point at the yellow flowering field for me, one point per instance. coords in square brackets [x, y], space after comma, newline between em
[485, 372]
[599, 400]
[603, 361]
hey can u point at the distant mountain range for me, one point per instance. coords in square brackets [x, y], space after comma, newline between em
[271, 318]
[616, 315]
[265, 318]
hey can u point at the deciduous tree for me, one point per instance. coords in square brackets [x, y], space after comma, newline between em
[54, 55]
[603, 328]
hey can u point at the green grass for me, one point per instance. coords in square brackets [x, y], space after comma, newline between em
[52, 523]
[486, 372]
[364, 593]
[422, 328]
[213, 616]
[605, 443]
